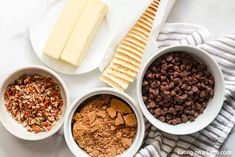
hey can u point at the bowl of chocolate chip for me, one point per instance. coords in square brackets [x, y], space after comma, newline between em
[104, 122]
[33, 103]
[180, 89]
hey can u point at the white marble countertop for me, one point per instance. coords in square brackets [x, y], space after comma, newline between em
[216, 15]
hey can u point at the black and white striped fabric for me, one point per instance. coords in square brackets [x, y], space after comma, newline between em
[206, 142]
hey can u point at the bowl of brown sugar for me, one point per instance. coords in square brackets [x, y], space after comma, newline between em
[104, 123]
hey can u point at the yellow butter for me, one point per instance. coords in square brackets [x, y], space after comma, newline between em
[63, 28]
[84, 32]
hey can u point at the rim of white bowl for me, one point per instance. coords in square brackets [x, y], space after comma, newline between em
[164, 126]
[74, 147]
[59, 124]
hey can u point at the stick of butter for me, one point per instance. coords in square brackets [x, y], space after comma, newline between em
[84, 32]
[64, 27]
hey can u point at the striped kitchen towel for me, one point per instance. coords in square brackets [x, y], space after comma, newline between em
[206, 142]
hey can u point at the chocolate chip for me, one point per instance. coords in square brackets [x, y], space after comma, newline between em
[162, 118]
[169, 116]
[176, 88]
[190, 92]
[176, 81]
[177, 107]
[163, 78]
[153, 85]
[167, 98]
[155, 92]
[145, 98]
[196, 114]
[176, 74]
[169, 121]
[154, 69]
[195, 89]
[151, 96]
[159, 98]
[178, 98]
[188, 88]
[152, 104]
[188, 103]
[202, 94]
[157, 76]
[188, 67]
[158, 112]
[173, 93]
[198, 106]
[165, 110]
[176, 68]
[150, 76]
[169, 58]
[171, 85]
[166, 92]
[191, 118]
[164, 67]
[184, 87]
[184, 96]
[184, 118]
[172, 110]
[176, 121]
[182, 67]
[145, 83]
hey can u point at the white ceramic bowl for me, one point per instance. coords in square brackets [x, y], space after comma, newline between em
[214, 105]
[16, 128]
[74, 147]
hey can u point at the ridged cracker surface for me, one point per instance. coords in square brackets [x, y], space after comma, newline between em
[126, 61]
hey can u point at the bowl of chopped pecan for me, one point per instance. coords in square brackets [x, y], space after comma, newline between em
[33, 103]
[104, 122]
[180, 89]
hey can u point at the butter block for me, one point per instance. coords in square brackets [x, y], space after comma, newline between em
[63, 28]
[84, 32]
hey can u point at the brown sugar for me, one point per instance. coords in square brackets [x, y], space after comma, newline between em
[91, 116]
[120, 106]
[119, 120]
[104, 126]
[130, 120]
[126, 142]
[112, 112]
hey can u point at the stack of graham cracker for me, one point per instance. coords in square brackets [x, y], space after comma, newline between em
[126, 61]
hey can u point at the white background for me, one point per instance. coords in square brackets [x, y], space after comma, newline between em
[15, 51]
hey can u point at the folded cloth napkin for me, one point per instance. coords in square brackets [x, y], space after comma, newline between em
[206, 142]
